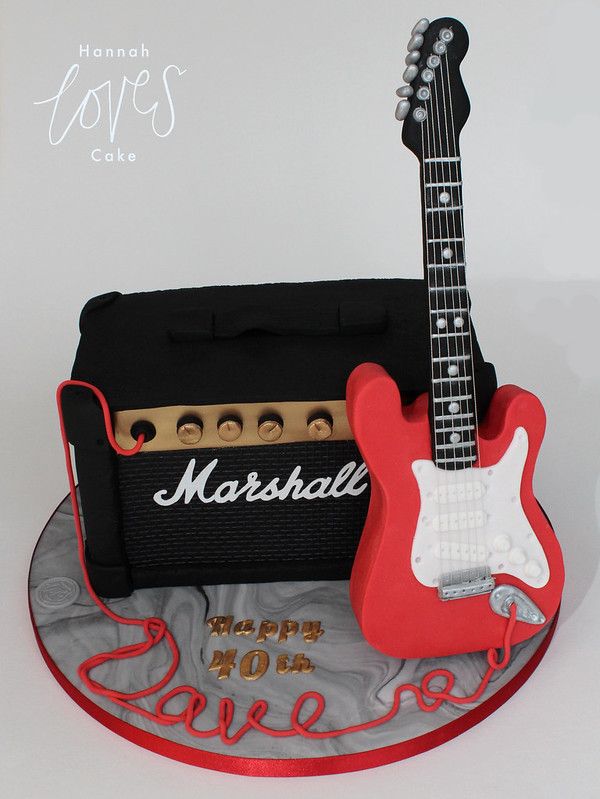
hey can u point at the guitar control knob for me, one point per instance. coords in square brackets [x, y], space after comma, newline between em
[517, 556]
[270, 427]
[320, 426]
[229, 428]
[189, 429]
[533, 568]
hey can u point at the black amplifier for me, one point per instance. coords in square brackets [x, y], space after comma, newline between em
[248, 471]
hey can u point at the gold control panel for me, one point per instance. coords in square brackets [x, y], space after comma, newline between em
[242, 425]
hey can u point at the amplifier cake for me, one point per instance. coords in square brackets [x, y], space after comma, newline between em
[248, 471]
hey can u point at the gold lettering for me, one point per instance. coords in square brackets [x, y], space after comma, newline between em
[244, 627]
[288, 627]
[312, 631]
[282, 664]
[220, 625]
[301, 664]
[266, 630]
[223, 662]
[247, 662]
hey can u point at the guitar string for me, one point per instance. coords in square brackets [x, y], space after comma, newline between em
[446, 562]
[477, 504]
[442, 477]
[451, 477]
[465, 535]
[425, 129]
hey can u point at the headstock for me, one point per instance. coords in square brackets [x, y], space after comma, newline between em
[434, 105]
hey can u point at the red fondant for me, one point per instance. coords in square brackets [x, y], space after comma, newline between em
[397, 614]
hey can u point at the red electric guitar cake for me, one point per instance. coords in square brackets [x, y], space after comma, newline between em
[454, 535]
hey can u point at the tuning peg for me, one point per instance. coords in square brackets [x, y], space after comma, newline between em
[402, 110]
[415, 42]
[420, 27]
[439, 48]
[410, 73]
[405, 91]
[446, 35]
[412, 57]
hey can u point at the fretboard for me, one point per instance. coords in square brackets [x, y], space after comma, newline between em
[453, 407]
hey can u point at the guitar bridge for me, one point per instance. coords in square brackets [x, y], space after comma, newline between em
[466, 582]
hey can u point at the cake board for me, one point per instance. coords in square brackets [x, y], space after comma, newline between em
[357, 683]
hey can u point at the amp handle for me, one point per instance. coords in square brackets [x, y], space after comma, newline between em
[349, 318]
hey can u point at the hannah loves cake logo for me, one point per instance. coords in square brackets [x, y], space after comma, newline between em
[102, 106]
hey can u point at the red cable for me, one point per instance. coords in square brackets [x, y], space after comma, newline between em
[157, 631]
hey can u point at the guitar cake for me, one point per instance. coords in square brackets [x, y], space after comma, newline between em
[194, 595]
[454, 535]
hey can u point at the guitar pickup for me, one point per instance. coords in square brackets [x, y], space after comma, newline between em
[466, 582]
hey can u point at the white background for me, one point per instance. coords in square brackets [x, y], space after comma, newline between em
[286, 163]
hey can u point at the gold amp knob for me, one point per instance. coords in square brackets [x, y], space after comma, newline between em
[270, 427]
[320, 426]
[229, 428]
[189, 430]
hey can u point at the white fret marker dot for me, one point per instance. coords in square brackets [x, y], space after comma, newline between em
[444, 197]
[454, 438]
[447, 253]
[440, 323]
[459, 321]
[453, 370]
[454, 407]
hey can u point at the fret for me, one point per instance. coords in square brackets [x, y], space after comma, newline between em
[452, 335]
[451, 357]
[449, 310]
[468, 459]
[444, 159]
[444, 184]
[454, 416]
[458, 445]
[459, 429]
[450, 379]
[454, 399]
[443, 208]
[444, 266]
[444, 239]
[447, 288]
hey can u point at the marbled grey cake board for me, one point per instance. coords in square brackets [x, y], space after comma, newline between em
[356, 681]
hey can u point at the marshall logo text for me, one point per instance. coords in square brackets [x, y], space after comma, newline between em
[351, 479]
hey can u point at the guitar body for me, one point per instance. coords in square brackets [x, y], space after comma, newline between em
[398, 613]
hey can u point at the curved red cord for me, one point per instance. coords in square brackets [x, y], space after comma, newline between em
[156, 631]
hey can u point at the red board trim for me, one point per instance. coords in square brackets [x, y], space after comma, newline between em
[296, 767]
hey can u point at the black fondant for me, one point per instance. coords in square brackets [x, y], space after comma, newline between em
[127, 347]
[230, 344]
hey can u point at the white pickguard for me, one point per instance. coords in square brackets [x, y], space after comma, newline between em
[473, 517]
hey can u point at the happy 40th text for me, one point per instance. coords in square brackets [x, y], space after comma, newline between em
[255, 663]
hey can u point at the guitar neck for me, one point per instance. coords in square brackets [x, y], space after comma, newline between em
[434, 107]
[453, 409]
